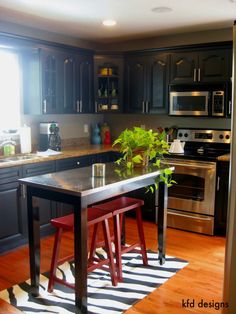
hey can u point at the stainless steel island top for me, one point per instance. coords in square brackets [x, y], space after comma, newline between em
[78, 188]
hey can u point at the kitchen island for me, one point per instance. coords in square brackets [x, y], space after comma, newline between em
[78, 188]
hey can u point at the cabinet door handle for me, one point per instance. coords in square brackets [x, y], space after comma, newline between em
[77, 106]
[147, 106]
[194, 74]
[143, 103]
[218, 184]
[45, 106]
[96, 106]
[23, 190]
[81, 105]
[199, 74]
[230, 106]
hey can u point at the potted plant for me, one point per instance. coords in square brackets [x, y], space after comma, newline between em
[140, 147]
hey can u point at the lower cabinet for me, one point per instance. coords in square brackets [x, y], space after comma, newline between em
[221, 202]
[46, 208]
[11, 217]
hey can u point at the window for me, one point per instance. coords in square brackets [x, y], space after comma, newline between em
[9, 90]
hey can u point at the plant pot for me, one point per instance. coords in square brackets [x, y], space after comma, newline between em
[144, 162]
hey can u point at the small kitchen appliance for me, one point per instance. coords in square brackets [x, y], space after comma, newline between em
[49, 136]
[199, 100]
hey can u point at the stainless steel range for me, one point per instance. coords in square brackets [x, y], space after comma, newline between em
[191, 202]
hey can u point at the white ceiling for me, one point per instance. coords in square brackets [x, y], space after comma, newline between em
[83, 18]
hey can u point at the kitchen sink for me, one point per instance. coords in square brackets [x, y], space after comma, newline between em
[18, 158]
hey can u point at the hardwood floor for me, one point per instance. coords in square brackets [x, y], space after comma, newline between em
[201, 280]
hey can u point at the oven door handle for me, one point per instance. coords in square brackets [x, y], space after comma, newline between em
[191, 166]
[188, 216]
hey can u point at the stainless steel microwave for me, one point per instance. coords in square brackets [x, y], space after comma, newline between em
[197, 103]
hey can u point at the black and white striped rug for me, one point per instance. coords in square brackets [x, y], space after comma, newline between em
[103, 298]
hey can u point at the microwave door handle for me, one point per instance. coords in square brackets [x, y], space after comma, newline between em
[194, 74]
[199, 74]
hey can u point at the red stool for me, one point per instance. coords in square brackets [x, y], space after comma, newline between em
[118, 207]
[95, 216]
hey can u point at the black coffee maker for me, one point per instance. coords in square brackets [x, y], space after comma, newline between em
[49, 136]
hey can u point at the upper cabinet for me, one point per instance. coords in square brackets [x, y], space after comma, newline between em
[146, 83]
[57, 81]
[108, 83]
[205, 66]
[77, 82]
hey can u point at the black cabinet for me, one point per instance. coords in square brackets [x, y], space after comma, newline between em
[76, 83]
[108, 83]
[57, 81]
[11, 215]
[221, 203]
[146, 83]
[47, 208]
[42, 89]
[204, 66]
[85, 89]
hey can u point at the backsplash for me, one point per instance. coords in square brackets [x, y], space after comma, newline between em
[119, 122]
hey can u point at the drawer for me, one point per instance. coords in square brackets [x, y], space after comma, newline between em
[72, 163]
[38, 168]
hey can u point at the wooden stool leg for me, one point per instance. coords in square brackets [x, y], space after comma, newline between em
[117, 233]
[55, 254]
[93, 242]
[107, 238]
[141, 235]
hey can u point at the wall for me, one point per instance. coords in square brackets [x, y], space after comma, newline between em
[21, 30]
[173, 40]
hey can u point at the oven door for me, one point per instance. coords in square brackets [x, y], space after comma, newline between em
[195, 188]
[189, 103]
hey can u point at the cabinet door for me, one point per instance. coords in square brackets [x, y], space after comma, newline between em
[51, 76]
[85, 85]
[135, 84]
[11, 220]
[214, 65]
[69, 81]
[183, 67]
[221, 204]
[46, 207]
[158, 84]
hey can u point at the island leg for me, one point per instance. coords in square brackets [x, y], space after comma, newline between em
[80, 249]
[34, 241]
[162, 221]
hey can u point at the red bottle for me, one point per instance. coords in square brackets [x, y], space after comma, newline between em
[107, 138]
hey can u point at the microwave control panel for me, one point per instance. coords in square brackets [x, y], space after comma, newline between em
[218, 103]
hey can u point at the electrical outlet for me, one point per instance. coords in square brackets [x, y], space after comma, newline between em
[143, 126]
[86, 128]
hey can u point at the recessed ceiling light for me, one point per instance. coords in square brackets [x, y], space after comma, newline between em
[161, 10]
[109, 22]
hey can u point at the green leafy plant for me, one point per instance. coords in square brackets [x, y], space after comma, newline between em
[140, 147]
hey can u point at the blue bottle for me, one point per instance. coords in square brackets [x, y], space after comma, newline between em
[96, 138]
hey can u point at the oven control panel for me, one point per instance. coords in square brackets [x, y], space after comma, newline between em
[208, 136]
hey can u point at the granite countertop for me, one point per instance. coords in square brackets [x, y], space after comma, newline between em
[67, 152]
[225, 157]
